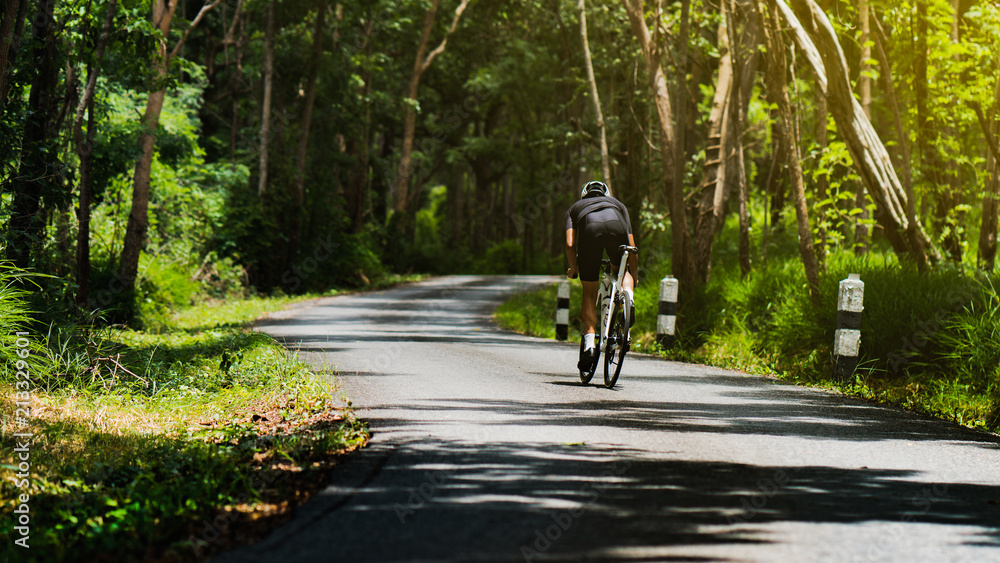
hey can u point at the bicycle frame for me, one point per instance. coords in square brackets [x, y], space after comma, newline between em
[610, 288]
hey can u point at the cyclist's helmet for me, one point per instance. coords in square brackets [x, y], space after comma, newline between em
[595, 187]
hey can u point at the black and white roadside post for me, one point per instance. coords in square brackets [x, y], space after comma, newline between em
[562, 310]
[666, 318]
[847, 341]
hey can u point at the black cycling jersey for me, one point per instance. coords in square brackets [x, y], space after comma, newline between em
[602, 224]
[597, 208]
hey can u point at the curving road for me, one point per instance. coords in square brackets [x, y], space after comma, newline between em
[487, 448]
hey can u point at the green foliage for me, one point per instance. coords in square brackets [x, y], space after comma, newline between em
[141, 413]
[164, 287]
[501, 258]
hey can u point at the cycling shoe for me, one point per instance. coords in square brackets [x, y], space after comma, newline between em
[587, 358]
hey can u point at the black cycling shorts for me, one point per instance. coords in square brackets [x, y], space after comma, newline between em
[594, 239]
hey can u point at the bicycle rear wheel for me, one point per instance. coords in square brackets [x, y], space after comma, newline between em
[617, 345]
[587, 375]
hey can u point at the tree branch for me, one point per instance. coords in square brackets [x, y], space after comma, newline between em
[440, 48]
[102, 42]
[990, 139]
[197, 19]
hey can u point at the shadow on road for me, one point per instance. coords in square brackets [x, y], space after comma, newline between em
[443, 500]
[744, 410]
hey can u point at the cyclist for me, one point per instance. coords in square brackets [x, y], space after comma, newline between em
[595, 223]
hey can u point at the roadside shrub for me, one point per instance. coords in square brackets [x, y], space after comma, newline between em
[971, 342]
[501, 258]
[163, 288]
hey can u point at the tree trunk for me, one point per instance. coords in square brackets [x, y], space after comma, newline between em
[822, 182]
[904, 147]
[25, 225]
[736, 136]
[778, 93]
[138, 218]
[861, 231]
[708, 212]
[402, 197]
[929, 166]
[988, 230]
[950, 198]
[864, 78]
[598, 114]
[683, 266]
[13, 19]
[265, 114]
[234, 81]
[681, 98]
[298, 197]
[723, 155]
[866, 149]
[85, 150]
[774, 193]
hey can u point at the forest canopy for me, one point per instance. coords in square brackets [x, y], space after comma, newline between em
[297, 145]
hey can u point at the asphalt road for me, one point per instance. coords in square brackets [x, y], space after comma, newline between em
[486, 447]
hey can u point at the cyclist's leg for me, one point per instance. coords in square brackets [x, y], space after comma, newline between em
[589, 254]
[629, 282]
[590, 250]
[588, 309]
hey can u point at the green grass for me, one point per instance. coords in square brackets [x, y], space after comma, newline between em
[534, 312]
[141, 438]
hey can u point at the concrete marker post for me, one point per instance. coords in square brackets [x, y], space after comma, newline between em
[562, 310]
[847, 339]
[666, 318]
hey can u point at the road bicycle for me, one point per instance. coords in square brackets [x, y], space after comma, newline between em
[613, 329]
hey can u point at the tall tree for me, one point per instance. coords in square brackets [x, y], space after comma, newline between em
[683, 265]
[423, 61]
[903, 142]
[138, 218]
[867, 151]
[949, 213]
[991, 198]
[265, 112]
[681, 97]
[724, 148]
[307, 108]
[778, 94]
[598, 114]
[714, 192]
[861, 233]
[25, 225]
[85, 151]
[736, 135]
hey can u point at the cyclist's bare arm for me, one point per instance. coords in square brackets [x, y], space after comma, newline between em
[571, 253]
[633, 262]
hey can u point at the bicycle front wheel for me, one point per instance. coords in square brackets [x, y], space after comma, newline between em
[617, 345]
